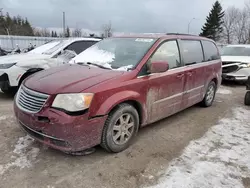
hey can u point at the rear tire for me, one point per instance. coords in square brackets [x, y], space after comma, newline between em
[247, 98]
[210, 95]
[120, 128]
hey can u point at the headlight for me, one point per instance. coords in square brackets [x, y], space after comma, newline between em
[245, 65]
[6, 66]
[73, 102]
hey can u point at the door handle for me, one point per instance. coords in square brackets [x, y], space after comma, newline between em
[180, 75]
[189, 73]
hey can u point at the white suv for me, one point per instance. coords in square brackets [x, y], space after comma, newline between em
[15, 68]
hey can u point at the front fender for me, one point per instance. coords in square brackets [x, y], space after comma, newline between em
[116, 99]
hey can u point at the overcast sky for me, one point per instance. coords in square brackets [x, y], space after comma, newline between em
[125, 15]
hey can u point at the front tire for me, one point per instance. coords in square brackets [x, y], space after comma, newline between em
[210, 95]
[120, 128]
[9, 90]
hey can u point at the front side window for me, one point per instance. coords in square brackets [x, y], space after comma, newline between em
[168, 52]
[116, 53]
[192, 52]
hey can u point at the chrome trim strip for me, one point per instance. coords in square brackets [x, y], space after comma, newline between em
[47, 136]
[189, 91]
[178, 94]
[168, 98]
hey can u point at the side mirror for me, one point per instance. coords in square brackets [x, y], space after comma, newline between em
[158, 67]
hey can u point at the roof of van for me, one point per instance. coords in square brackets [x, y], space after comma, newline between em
[163, 36]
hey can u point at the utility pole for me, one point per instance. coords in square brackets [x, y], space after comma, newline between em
[64, 29]
[189, 24]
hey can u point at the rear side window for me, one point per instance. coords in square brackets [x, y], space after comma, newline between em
[80, 46]
[210, 51]
[192, 52]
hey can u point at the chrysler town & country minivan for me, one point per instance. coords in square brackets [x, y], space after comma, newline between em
[115, 87]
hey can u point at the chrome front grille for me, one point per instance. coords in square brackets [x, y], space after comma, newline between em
[29, 100]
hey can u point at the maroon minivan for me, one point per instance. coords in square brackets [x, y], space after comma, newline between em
[116, 87]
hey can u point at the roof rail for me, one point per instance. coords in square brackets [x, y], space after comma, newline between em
[180, 34]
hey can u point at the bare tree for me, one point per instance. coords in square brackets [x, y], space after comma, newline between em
[107, 30]
[242, 27]
[231, 17]
[77, 32]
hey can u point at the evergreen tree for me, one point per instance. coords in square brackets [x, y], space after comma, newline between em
[55, 34]
[213, 27]
[28, 29]
[52, 33]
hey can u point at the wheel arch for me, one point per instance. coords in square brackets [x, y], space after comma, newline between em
[28, 73]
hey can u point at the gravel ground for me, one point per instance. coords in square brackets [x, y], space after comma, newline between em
[160, 151]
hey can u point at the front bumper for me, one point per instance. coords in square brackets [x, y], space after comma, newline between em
[231, 77]
[61, 131]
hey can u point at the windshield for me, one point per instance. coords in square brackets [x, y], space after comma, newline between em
[43, 48]
[60, 44]
[236, 51]
[116, 53]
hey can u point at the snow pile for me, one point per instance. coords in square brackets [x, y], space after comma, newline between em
[221, 158]
[224, 91]
[24, 155]
[125, 68]
[99, 57]
[95, 55]
[3, 118]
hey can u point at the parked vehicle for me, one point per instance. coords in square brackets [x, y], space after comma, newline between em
[115, 87]
[3, 52]
[15, 68]
[247, 95]
[236, 63]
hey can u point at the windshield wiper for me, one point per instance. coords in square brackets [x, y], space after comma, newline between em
[95, 64]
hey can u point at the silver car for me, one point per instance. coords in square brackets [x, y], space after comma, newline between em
[236, 62]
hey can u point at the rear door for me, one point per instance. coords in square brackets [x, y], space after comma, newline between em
[166, 89]
[193, 57]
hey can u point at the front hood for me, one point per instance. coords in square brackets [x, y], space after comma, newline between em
[69, 79]
[22, 58]
[236, 59]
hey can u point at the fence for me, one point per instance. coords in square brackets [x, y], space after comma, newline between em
[10, 42]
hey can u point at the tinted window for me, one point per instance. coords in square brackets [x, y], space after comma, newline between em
[192, 51]
[168, 52]
[80, 46]
[210, 51]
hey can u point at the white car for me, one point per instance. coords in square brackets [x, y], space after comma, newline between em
[15, 68]
[236, 62]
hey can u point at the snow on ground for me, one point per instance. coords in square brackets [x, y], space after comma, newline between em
[224, 91]
[3, 118]
[24, 155]
[221, 158]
